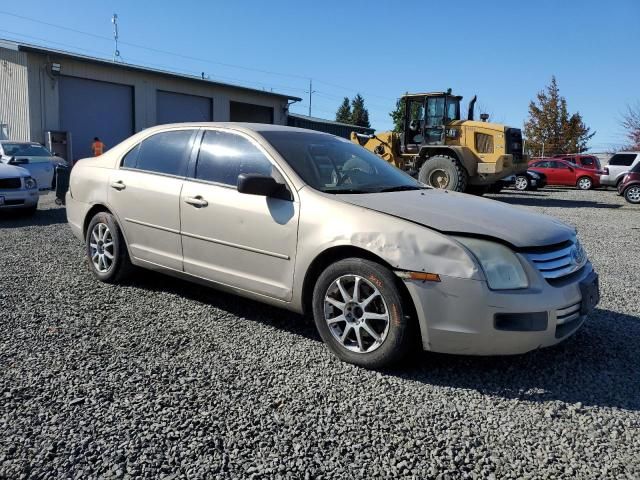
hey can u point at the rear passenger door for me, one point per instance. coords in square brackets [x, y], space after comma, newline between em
[145, 195]
[245, 241]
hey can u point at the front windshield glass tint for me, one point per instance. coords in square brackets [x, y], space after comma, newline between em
[335, 165]
[25, 149]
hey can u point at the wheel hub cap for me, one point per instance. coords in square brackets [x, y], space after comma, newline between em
[356, 314]
[439, 179]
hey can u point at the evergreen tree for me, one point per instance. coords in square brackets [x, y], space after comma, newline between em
[359, 113]
[344, 112]
[550, 123]
[397, 116]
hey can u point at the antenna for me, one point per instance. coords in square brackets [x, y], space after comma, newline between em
[116, 52]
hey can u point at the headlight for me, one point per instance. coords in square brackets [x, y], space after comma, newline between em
[30, 183]
[500, 265]
[533, 175]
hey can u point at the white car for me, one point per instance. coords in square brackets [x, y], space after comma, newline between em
[35, 158]
[618, 166]
[18, 189]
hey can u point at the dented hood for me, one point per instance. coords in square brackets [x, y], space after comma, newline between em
[452, 212]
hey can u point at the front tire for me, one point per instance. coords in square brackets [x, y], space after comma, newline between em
[522, 183]
[444, 172]
[632, 194]
[106, 249]
[584, 183]
[359, 313]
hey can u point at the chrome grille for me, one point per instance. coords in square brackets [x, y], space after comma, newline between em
[559, 263]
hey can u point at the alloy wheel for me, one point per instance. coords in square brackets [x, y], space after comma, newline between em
[584, 183]
[356, 314]
[102, 247]
[521, 183]
[633, 194]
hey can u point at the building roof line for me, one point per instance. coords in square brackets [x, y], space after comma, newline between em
[30, 48]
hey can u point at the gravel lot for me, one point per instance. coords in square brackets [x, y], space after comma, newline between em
[165, 379]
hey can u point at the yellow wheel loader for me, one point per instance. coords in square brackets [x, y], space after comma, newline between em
[443, 151]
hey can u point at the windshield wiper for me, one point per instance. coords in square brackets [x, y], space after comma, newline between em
[348, 190]
[401, 188]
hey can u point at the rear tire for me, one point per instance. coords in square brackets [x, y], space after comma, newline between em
[632, 194]
[371, 328]
[584, 183]
[106, 249]
[444, 172]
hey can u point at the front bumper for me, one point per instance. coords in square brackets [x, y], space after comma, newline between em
[463, 316]
[19, 198]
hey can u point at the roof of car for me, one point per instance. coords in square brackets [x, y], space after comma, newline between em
[255, 127]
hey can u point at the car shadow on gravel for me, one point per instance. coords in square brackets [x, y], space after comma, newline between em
[598, 366]
[543, 201]
[42, 218]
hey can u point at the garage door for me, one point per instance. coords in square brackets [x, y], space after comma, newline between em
[248, 112]
[95, 109]
[174, 107]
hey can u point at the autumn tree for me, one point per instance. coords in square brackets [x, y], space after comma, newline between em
[631, 124]
[343, 114]
[550, 124]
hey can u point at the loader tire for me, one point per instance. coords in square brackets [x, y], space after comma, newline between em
[444, 172]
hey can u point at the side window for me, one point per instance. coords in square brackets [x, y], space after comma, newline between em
[165, 152]
[560, 165]
[588, 161]
[622, 159]
[224, 156]
[130, 160]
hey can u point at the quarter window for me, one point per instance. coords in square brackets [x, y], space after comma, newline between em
[224, 156]
[165, 152]
[622, 159]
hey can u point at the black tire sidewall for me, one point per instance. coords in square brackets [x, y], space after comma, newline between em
[398, 341]
[457, 174]
[121, 258]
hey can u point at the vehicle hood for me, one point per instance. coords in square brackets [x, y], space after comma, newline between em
[54, 159]
[12, 171]
[458, 213]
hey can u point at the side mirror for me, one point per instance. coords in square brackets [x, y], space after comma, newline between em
[264, 185]
[18, 161]
[571, 169]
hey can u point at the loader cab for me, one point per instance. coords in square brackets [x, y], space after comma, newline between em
[426, 117]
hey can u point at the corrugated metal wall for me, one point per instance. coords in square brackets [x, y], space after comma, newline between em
[14, 100]
[333, 128]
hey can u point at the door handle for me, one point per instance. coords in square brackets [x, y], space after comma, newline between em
[197, 202]
[119, 185]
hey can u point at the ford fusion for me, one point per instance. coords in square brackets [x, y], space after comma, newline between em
[318, 225]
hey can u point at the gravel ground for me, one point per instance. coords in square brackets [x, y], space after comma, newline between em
[165, 379]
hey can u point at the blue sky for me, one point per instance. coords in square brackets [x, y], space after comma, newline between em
[503, 51]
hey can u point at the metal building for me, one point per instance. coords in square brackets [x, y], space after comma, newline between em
[65, 100]
[328, 126]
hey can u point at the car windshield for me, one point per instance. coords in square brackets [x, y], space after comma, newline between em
[335, 165]
[25, 149]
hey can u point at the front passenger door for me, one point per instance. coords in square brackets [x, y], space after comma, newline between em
[245, 241]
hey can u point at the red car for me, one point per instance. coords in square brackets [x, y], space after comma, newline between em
[630, 185]
[561, 172]
[590, 162]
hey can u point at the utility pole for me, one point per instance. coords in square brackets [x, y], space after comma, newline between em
[116, 52]
[310, 92]
[542, 149]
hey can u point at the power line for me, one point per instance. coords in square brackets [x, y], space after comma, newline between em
[189, 57]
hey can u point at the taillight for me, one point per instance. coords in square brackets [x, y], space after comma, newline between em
[606, 170]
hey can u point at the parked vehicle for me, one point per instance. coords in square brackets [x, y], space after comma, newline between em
[619, 165]
[18, 190]
[32, 156]
[313, 223]
[629, 187]
[561, 172]
[530, 180]
[589, 162]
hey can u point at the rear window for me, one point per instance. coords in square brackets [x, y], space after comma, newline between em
[622, 159]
